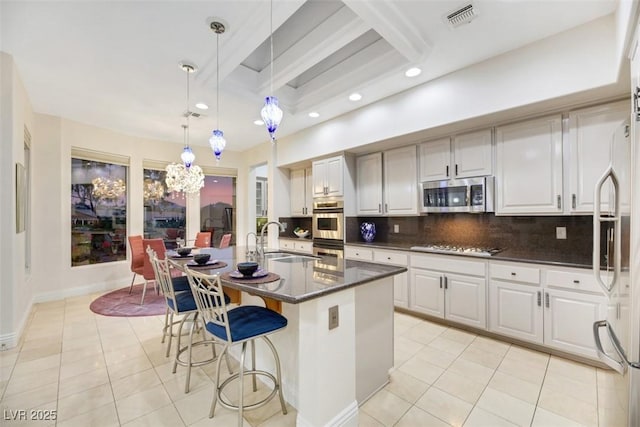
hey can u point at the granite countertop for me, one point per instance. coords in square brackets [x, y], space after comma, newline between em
[561, 259]
[302, 277]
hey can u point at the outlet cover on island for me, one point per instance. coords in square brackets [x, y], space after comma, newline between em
[396, 228]
[561, 232]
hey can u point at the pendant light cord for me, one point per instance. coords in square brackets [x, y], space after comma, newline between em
[188, 70]
[271, 43]
[218, 81]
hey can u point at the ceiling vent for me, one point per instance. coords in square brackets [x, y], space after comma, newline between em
[191, 114]
[461, 16]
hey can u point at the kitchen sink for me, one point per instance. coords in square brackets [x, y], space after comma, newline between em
[296, 258]
[288, 256]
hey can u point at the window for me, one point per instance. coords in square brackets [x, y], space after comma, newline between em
[98, 212]
[165, 214]
[217, 207]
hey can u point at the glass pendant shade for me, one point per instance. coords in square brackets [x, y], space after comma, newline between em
[217, 143]
[187, 157]
[271, 115]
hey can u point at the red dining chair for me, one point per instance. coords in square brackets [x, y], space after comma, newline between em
[224, 242]
[147, 271]
[203, 239]
[137, 257]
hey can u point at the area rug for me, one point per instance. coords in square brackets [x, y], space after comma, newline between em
[120, 303]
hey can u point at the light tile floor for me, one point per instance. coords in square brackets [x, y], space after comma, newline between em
[108, 371]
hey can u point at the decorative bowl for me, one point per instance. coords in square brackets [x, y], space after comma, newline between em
[183, 251]
[201, 258]
[247, 268]
[301, 233]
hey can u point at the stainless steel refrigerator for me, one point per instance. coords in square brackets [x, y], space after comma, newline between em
[616, 234]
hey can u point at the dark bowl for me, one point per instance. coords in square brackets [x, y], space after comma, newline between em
[183, 251]
[247, 268]
[201, 258]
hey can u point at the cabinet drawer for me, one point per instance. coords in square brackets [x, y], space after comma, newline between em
[387, 257]
[515, 273]
[286, 244]
[304, 246]
[574, 280]
[451, 264]
[358, 253]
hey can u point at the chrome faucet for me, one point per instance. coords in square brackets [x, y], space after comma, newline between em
[264, 227]
[246, 242]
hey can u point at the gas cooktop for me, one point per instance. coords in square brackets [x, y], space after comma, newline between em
[464, 250]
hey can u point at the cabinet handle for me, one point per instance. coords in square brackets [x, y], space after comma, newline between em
[539, 299]
[513, 273]
[573, 201]
[559, 202]
[389, 258]
[447, 170]
[577, 282]
[386, 208]
[456, 169]
[446, 282]
[546, 300]
[379, 207]
[440, 282]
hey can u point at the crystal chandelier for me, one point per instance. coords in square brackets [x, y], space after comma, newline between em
[271, 112]
[182, 179]
[108, 189]
[153, 191]
[217, 141]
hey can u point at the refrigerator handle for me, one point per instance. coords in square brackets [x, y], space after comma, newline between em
[618, 366]
[598, 219]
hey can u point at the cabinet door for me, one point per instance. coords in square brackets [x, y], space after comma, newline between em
[401, 290]
[319, 177]
[594, 143]
[465, 300]
[400, 181]
[516, 310]
[297, 187]
[369, 184]
[529, 167]
[334, 178]
[426, 295]
[261, 197]
[569, 318]
[435, 157]
[473, 154]
[308, 191]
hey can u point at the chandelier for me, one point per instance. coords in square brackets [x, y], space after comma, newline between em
[153, 191]
[108, 189]
[271, 112]
[217, 141]
[182, 179]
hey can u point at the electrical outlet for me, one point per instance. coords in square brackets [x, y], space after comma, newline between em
[334, 317]
[561, 232]
[396, 228]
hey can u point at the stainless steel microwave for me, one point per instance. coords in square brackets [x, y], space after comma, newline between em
[458, 195]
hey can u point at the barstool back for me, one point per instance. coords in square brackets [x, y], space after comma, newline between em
[210, 300]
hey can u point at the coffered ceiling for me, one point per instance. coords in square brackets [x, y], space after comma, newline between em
[115, 64]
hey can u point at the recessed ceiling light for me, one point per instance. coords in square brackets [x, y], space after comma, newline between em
[412, 72]
[202, 106]
[258, 122]
[355, 96]
[314, 114]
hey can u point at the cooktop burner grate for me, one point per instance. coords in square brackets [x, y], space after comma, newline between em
[450, 249]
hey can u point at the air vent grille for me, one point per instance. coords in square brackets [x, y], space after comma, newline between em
[461, 16]
[191, 114]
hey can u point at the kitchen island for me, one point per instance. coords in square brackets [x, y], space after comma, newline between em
[327, 370]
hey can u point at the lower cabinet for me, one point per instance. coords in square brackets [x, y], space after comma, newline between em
[305, 246]
[455, 297]
[515, 310]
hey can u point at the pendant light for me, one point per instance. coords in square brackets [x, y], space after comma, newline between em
[217, 141]
[187, 155]
[183, 179]
[271, 113]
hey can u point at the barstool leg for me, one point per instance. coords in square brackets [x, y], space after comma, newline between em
[170, 325]
[216, 390]
[241, 385]
[278, 374]
[144, 291]
[190, 347]
[175, 361]
[253, 364]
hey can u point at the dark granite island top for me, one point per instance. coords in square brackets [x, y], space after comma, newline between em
[302, 276]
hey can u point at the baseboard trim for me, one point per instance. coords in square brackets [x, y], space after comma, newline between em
[12, 339]
[78, 291]
[347, 417]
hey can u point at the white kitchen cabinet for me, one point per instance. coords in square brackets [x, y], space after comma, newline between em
[301, 192]
[592, 148]
[328, 177]
[529, 167]
[569, 318]
[463, 156]
[387, 182]
[369, 184]
[358, 253]
[261, 197]
[400, 281]
[439, 287]
[301, 245]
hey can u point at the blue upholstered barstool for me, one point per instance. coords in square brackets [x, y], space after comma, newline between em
[181, 303]
[240, 325]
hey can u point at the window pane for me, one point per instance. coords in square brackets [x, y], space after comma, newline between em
[217, 207]
[165, 214]
[98, 212]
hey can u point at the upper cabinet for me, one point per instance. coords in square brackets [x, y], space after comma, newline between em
[386, 183]
[261, 196]
[301, 192]
[529, 167]
[463, 156]
[328, 177]
[597, 138]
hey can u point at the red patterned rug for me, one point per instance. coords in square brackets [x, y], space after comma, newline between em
[120, 303]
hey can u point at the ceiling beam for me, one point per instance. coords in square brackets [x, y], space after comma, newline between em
[394, 27]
